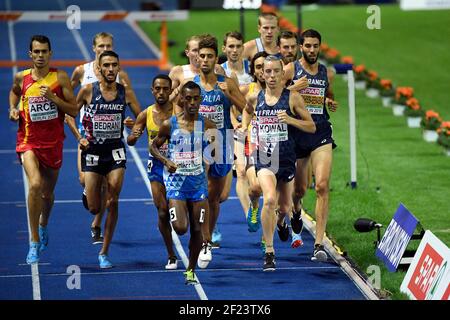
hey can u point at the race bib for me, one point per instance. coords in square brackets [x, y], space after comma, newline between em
[314, 99]
[119, 154]
[42, 109]
[189, 163]
[213, 113]
[107, 126]
[92, 160]
[271, 130]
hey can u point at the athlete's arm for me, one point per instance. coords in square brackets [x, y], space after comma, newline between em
[163, 136]
[233, 117]
[129, 92]
[249, 48]
[297, 85]
[84, 96]
[234, 94]
[68, 104]
[77, 76]
[73, 127]
[249, 110]
[138, 128]
[14, 96]
[175, 75]
[297, 106]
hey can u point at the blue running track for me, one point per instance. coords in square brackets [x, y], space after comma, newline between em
[137, 251]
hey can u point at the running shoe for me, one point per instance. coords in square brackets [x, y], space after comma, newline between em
[319, 253]
[190, 277]
[216, 237]
[172, 263]
[104, 261]
[205, 256]
[96, 235]
[297, 222]
[43, 238]
[296, 240]
[33, 253]
[283, 231]
[269, 262]
[253, 218]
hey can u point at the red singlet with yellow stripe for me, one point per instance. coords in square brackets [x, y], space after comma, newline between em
[41, 123]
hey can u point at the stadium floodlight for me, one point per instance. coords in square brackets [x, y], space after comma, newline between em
[367, 225]
[348, 69]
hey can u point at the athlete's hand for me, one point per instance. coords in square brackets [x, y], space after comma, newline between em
[84, 144]
[45, 91]
[137, 132]
[224, 87]
[299, 84]
[128, 122]
[331, 104]
[241, 132]
[171, 166]
[283, 117]
[13, 114]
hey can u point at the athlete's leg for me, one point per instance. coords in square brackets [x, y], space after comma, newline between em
[226, 189]
[80, 172]
[197, 216]
[49, 178]
[159, 199]
[322, 161]
[97, 221]
[31, 166]
[115, 181]
[284, 197]
[268, 183]
[179, 216]
[215, 187]
[93, 185]
[300, 182]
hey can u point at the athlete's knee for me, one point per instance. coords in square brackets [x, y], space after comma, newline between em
[94, 208]
[34, 186]
[47, 196]
[299, 191]
[270, 201]
[254, 190]
[322, 188]
[180, 229]
[241, 173]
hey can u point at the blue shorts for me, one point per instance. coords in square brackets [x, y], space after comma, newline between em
[305, 143]
[219, 170]
[193, 196]
[155, 170]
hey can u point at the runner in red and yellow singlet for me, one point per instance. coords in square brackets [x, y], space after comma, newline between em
[44, 95]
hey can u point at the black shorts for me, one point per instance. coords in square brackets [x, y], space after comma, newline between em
[103, 159]
[305, 143]
[285, 172]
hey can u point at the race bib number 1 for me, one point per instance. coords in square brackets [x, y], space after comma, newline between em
[118, 154]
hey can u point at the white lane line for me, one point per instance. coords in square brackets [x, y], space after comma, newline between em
[34, 267]
[176, 240]
[150, 200]
[101, 273]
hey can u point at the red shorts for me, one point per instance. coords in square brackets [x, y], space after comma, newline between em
[48, 157]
